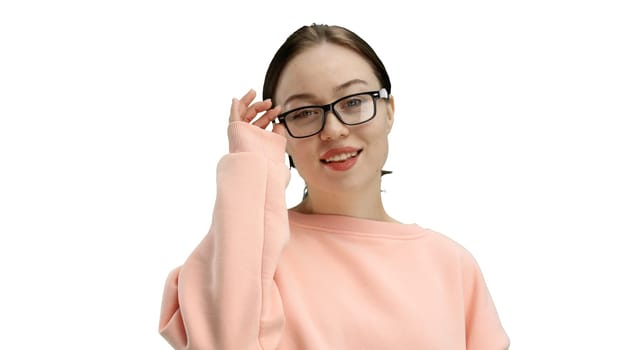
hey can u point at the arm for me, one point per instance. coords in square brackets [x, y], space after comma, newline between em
[224, 296]
[483, 327]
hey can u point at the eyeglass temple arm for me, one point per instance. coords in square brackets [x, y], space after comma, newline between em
[383, 93]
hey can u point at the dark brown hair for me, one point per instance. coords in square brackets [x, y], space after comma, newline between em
[315, 34]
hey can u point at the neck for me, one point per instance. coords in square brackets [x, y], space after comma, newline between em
[366, 204]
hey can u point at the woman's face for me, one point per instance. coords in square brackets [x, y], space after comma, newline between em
[321, 75]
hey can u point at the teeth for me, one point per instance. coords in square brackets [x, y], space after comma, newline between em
[340, 157]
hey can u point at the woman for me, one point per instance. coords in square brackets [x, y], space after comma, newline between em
[336, 271]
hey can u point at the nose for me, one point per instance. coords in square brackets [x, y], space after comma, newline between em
[333, 128]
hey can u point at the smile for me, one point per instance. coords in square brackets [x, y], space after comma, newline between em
[341, 157]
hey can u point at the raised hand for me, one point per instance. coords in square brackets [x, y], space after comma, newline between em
[246, 111]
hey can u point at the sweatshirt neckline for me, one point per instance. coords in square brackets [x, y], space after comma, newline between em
[349, 225]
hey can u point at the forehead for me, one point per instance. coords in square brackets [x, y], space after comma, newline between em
[319, 69]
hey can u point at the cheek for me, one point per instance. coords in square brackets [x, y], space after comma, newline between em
[292, 146]
[378, 132]
[378, 140]
[297, 150]
[288, 146]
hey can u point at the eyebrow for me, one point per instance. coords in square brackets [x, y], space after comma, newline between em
[339, 88]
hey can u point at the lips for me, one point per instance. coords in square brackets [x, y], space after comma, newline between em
[340, 159]
[339, 154]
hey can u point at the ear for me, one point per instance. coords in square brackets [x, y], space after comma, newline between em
[390, 105]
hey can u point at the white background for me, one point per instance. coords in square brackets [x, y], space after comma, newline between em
[113, 117]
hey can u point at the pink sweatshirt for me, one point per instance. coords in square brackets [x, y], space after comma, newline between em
[268, 278]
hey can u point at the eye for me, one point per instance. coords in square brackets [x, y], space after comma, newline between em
[303, 114]
[353, 102]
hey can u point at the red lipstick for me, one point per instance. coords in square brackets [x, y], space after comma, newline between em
[340, 159]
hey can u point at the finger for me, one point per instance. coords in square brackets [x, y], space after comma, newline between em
[244, 102]
[268, 117]
[256, 108]
[234, 114]
[248, 98]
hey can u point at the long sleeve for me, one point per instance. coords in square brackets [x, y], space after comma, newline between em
[483, 327]
[224, 295]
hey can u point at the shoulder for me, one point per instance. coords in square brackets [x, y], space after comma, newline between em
[446, 244]
[452, 254]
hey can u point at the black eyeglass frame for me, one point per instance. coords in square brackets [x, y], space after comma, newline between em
[376, 94]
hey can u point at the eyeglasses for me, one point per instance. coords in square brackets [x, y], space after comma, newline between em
[350, 110]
